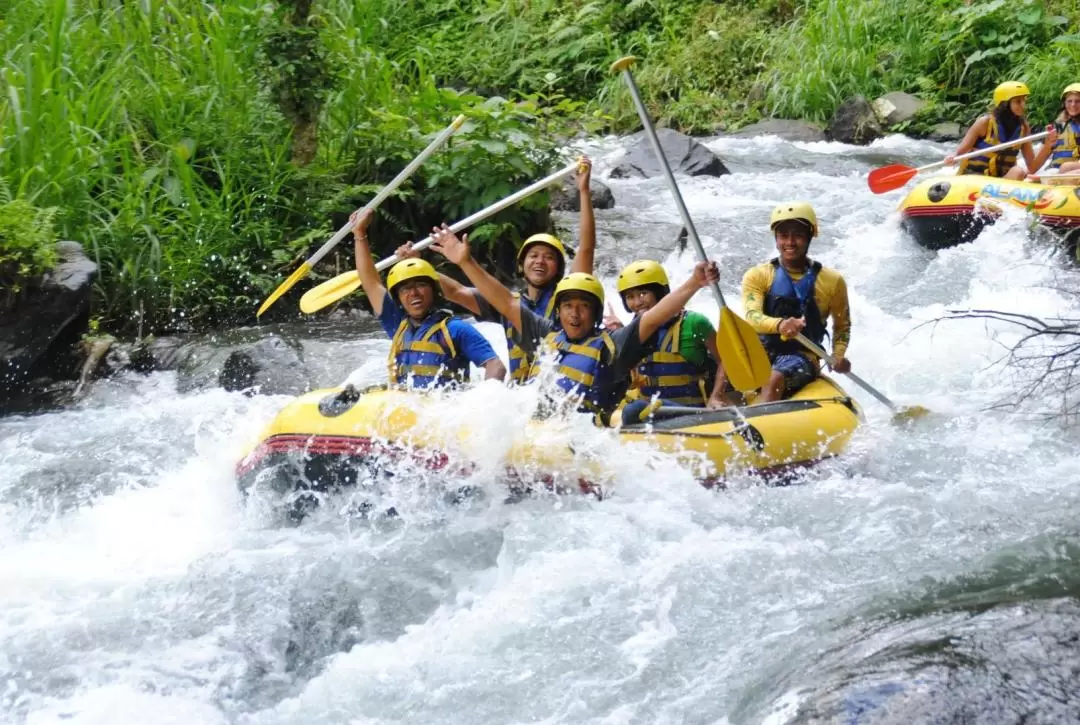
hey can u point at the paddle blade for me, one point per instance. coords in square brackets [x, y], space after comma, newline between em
[890, 178]
[906, 413]
[284, 287]
[329, 292]
[745, 360]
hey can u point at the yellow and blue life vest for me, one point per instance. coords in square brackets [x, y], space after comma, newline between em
[583, 368]
[1067, 147]
[668, 374]
[788, 298]
[996, 163]
[423, 356]
[520, 361]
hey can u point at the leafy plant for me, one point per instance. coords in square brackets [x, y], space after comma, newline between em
[26, 245]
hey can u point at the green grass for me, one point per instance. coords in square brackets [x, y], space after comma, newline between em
[160, 130]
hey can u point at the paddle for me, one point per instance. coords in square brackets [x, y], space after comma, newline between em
[745, 360]
[386, 191]
[346, 283]
[899, 412]
[893, 176]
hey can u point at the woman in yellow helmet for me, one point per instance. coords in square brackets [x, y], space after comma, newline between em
[1007, 121]
[684, 356]
[1065, 151]
[542, 261]
[592, 366]
[429, 346]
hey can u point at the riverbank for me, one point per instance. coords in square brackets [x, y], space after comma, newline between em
[200, 151]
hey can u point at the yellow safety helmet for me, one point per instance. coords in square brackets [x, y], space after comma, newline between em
[1071, 88]
[550, 240]
[582, 282]
[410, 269]
[639, 274]
[1008, 91]
[795, 211]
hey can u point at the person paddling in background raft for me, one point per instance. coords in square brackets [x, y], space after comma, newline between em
[542, 261]
[1006, 122]
[592, 366]
[429, 347]
[678, 372]
[1065, 152]
[792, 294]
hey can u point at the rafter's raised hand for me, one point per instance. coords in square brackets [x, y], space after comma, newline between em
[449, 245]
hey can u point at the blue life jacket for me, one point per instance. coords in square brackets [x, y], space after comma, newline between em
[995, 163]
[1067, 147]
[520, 361]
[423, 355]
[583, 369]
[670, 375]
[787, 298]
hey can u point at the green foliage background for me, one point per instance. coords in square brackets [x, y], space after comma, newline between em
[160, 131]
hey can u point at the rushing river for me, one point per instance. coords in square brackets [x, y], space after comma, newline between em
[929, 576]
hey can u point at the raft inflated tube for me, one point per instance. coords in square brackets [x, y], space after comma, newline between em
[944, 211]
[338, 424]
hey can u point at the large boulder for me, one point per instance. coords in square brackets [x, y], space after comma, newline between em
[683, 153]
[269, 365]
[785, 129]
[896, 107]
[565, 196]
[854, 122]
[946, 131]
[37, 336]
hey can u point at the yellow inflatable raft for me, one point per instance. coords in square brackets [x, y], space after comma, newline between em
[326, 439]
[944, 211]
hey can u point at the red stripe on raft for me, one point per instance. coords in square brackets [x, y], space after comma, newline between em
[344, 446]
[938, 210]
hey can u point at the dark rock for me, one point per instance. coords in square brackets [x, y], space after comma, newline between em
[270, 366]
[946, 131]
[37, 335]
[565, 197]
[854, 122]
[897, 107]
[158, 354]
[785, 129]
[683, 153]
[682, 239]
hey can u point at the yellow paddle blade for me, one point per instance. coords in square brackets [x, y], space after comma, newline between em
[908, 413]
[329, 292]
[284, 287]
[745, 360]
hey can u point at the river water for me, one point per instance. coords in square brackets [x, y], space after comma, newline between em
[929, 576]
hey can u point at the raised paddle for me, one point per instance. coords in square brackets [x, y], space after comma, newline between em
[893, 176]
[386, 191]
[900, 413]
[346, 283]
[745, 360]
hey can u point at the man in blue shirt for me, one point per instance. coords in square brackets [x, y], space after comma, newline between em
[429, 346]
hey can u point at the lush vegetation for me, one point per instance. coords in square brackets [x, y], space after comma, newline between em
[201, 149]
[26, 245]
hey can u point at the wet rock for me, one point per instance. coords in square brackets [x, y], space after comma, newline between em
[158, 354]
[897, 107]
[684, 154]
[785, 129]
[37, 336]
[565, 197]
[854, 122]
[946, 131]
[270, 366]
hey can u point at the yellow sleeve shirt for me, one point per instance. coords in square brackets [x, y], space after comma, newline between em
[830, 295]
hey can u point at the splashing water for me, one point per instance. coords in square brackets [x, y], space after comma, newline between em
[927, 576]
